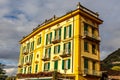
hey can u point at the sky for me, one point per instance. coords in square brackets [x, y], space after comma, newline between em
[19, 17]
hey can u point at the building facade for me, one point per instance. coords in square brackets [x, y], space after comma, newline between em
[65, 47]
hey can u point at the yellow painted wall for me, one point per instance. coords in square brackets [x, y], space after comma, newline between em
[77, 45]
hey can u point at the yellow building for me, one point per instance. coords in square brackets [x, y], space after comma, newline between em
[65, 47]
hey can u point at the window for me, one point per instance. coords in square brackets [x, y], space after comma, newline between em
[67, 48]
[26, 58]
[56, 65]
[58, 34]
[24, 49]
[93, 65]
[21, 71]
[36, 68]
[93, 33]
[66, 64]
[39, 40]
[93, 49]
[29, 69]
[46, 66]
[47, 52]
[32, 46]
[24, 70]
[85, 46]
[49, 38]
[30, 58]
[85, 29]
[57, 49]
[28, 46]
[94, 68]
[86, 63]
[67, 31]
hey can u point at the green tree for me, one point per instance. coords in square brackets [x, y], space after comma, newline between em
[3, 75]
[117, 68]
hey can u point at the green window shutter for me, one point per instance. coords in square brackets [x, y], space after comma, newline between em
[30, 69]
[36, 68]
[93, 65]
[46, 39]
[64, 32]
[40, 39]
[85, 46]
[93, 49]
[28, 46]
[31, 57]
[46, 52]
[21, 70]
[85, 27]
[50, 37]
[56, 65]
[49, 52]
[44, 66]
[60, 33]
[86, 63]
[63, 64]
[54, 49]
[58, 48]
[55, 34]
[24, 70]
[23, 60]
[26, 58]
[68, 63]
[48, 65]
[69, 46]
[70, 30]
[32, 45]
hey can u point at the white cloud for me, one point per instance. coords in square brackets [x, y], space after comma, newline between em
[11, 71]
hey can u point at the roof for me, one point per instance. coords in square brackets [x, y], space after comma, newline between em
[80, 9]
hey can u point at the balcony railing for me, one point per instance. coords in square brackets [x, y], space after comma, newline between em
[28, 63]
[25, 52]
[20, 65]
[66, 53]
[46, 58]
[91, 72]
[57, 39]
[90, 36]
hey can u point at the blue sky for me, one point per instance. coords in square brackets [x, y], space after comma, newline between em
[19, 17]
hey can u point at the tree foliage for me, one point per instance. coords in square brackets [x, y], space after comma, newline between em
[117, 68]
[2, 72]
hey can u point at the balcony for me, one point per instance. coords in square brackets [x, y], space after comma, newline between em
[28, 63]
[20, 65]
[91, 37]
[37, 61]
[91, 72]
[46, 58]
[25, 52]
[57, 39]
[66, 53]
